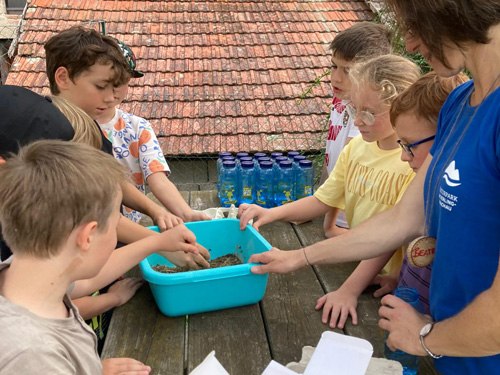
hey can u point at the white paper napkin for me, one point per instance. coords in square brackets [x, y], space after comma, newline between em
[209, 366]
[346, 354]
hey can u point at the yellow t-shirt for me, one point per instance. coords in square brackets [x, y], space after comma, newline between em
[365, 181]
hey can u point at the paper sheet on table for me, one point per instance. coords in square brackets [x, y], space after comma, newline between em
[345, 355]
[209, 366]
[335, 354]
[275, 368]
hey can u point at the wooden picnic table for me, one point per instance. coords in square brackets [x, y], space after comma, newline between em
[245, 339]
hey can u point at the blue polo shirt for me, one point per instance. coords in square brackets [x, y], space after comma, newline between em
[462, 197]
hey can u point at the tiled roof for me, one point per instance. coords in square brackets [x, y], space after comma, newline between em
[219, 75]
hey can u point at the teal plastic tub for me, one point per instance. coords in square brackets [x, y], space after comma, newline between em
[205, 290]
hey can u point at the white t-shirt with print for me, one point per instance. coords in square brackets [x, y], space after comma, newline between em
[135, 146]
[340, 127]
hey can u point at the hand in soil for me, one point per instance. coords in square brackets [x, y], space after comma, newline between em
[223, 261]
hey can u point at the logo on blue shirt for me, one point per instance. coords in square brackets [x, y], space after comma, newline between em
[451, 175]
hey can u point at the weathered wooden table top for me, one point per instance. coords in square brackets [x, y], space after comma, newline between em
[245, 339]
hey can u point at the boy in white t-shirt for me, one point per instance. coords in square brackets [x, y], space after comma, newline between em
[135, 146]
[362, 40]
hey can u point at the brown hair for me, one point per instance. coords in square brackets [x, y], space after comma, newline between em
[426, 96]
[439, 21]
[362, 40]
[77, 49]
[49, 189]
[389, 75]
[87, 131]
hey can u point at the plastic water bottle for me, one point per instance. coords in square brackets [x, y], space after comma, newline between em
[257, 161]
[246, 187]
[304, 179]
[219, 171]
[296, 159]
[284, 189]
[264, 194]
[277, 173]
[228, 184]
[410, 362]
[277, 162]
[219, 160]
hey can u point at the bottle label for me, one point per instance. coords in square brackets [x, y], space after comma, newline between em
[247, 191]
[227, 194]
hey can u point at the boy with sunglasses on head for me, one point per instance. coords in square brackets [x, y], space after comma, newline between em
[414, 116]
[362, 40]
[369, 178]
[135, 146]
[85, 67]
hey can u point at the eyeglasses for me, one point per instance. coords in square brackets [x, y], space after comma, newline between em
[366, 117]
[408, 146]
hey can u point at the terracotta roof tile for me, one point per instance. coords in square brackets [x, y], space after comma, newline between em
[218, 75]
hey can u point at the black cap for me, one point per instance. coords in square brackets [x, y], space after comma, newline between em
[26, 117]
[130, 58]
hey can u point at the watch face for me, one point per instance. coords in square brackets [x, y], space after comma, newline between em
[426, 329]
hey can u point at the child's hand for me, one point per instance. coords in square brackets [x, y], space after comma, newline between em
[179, 238]
[247, 212]
[337, 306]
[129, 366]
[190, 260]
[164, 219]
[387, 284]
[123, 290]
[198, 216]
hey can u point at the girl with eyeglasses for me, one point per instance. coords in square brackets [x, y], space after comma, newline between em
[369, 177]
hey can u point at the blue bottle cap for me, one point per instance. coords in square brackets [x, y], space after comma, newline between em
[286, 164]
[229, 157]
[266, 164]
[274, 155]
[239, 155]
[291, 154]
[246, 158]
[297, 158]
[224, 153]
[305, 163]
[281, 158]
[259, 154]
[264, 158]
[229, 163]
[247, 164]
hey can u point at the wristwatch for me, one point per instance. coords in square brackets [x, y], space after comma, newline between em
[424, 332]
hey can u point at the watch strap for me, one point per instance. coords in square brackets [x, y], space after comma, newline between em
[422, 342]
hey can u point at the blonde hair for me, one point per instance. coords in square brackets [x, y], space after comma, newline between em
[426, 96]
[87, 131]
[389, 75]
[52, 187]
